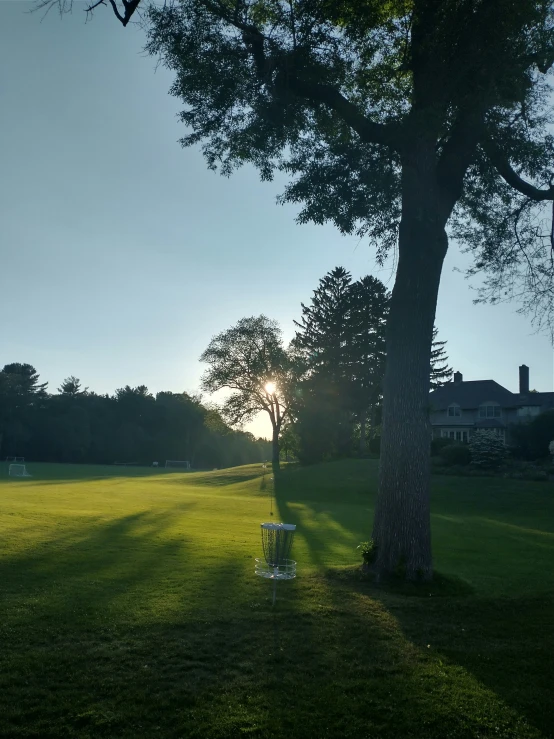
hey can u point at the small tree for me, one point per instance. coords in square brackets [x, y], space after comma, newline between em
[487, 449]
[440, 371]
[249, 360]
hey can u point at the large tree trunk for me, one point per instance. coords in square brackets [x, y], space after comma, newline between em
[275, 464]
[402, 526]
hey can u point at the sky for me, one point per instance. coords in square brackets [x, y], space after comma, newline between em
[122, 254]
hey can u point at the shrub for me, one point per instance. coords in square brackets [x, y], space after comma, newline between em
[487, 449]
[368, 551]
[532, 439]
[439, 443]
[455, 454]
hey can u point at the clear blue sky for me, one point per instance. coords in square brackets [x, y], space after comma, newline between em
[122, 254]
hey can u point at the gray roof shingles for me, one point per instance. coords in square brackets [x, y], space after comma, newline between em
[472, 394]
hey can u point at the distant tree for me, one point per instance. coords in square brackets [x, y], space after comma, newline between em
[368, 320]
[71, 387]
[322, 351]
[341, 344]
[323, 331]
[250, 362]
[440, 370]
[21, 397]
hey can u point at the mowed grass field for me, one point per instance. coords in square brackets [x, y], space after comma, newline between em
[129, 608]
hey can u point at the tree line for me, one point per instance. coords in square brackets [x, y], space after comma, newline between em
[324, 392]
[132, 426]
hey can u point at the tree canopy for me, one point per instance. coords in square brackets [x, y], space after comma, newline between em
[250, 362]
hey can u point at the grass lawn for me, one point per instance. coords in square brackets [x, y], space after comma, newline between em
[129, 608]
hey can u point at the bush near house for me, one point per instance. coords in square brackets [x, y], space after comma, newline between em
[439, 443]
[455, 454]
[531, 440]
[487, 449]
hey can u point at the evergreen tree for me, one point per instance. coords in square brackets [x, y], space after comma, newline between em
[71, 387]
[341, 342]
[322, 346]
[324, 330]
[22, 396]
[369, 310]
[440, 371]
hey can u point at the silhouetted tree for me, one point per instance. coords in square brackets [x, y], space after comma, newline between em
[77, 425]
[249, 360]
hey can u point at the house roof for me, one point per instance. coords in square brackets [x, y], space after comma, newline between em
[488, 423]
[472, 393]
[542, 399]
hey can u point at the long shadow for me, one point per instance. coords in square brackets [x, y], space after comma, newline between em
[503, 643]
[100, 643]
[123, 629]
[326, 520]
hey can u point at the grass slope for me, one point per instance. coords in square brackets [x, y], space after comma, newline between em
[129, 608]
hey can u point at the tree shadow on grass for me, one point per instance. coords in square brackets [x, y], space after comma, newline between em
[501, 643]
[124, 629]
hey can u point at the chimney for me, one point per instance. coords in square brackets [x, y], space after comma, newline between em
[458, 377]
[524, 379]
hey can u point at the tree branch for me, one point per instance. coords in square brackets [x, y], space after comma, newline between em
[369, 131]
[504, 169]
[129, 5]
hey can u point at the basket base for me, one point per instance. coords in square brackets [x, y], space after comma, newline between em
[284, 571]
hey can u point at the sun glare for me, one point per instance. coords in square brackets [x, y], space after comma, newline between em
[270, 388]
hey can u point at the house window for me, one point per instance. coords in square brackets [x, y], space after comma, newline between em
[455, 434]
[454, 410]
[489, 410]
[528, 410]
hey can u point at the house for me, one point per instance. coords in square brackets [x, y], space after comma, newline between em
[458, 408]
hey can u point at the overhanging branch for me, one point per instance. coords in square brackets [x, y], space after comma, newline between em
[255, 42]
[505, 170]
[369, 131]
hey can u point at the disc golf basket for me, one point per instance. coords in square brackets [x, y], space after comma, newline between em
[276, 543]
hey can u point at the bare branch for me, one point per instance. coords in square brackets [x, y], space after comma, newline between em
[66, 6]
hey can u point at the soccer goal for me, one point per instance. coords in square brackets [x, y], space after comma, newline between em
[178, 464]
[18, 470]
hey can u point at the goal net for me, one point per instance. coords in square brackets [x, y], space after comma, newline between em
[178, 464]
[18, 470]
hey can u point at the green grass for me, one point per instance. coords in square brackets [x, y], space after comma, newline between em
[129, 608]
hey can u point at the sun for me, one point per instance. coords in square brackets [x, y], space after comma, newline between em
[270, 388]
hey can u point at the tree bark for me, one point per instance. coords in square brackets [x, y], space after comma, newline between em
[275, 463]
[402, 526]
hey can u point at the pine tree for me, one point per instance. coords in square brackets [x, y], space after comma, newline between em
[322, 346]
[369, 310]
[440, 371]
[324, 330]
